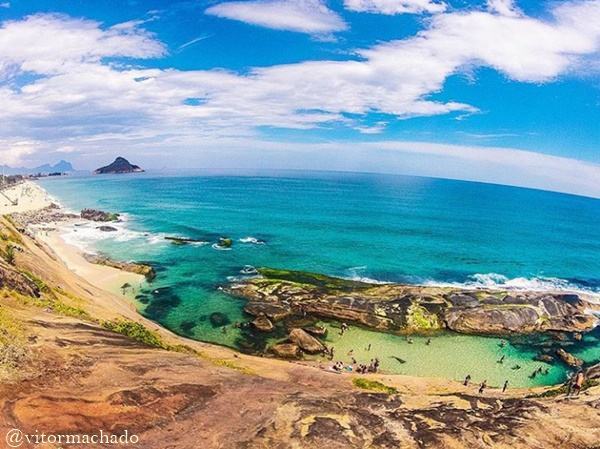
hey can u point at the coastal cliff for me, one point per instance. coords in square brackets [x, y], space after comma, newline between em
[280, 294]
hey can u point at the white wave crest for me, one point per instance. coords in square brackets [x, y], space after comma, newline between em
[252, 240]
[501, 282]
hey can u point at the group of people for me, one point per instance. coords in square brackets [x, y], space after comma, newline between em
[360, 368]
[483, 385]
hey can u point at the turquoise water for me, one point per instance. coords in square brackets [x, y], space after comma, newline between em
[385, 228]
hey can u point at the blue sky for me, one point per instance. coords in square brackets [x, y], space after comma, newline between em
[494, 91]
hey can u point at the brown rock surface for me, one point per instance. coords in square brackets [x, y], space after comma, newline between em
[263, 324]
[281, 294]
[305, 341]
[569, 359]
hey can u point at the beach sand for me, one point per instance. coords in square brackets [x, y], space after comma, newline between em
[101, 276]
[28, 196]
[32, 197]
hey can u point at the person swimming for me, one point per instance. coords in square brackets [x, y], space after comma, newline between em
[501, 360]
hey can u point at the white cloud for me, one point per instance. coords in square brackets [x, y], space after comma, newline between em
[13, 151]
[304, 16]
[504, 7]
[391, 7]
[48, 43]
[77, 96]
[5, 5]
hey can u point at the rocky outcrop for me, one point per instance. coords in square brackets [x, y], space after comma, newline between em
[182, 240]
[305, 341]
[224, 242]
[145, 270]
[569, 359]
[263, 324]
[12, 279]
[120, 165]
[280, 294]
[286, 350]
[98, 215]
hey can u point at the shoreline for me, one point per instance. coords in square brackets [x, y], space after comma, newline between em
[110, 280]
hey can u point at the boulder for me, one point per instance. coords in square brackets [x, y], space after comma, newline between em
[569, 359]
[547, 358]
[225, 242]
[305, 341]
[98, 215]
[317, 331]
[263, 324]
[286, 350]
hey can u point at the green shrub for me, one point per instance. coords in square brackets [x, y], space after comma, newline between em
[373, 385]
[136, 331]
[9, 255]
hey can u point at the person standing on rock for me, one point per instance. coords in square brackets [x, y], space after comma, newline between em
[482, 387]
[467, 380]
[578, 383]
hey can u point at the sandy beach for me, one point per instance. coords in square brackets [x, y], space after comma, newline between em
[31, 197]
[23, 197]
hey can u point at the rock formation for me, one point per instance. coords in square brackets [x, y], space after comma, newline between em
[145, 270]
[98, 215]
[120, 165]
[280, 294]
[305, 341]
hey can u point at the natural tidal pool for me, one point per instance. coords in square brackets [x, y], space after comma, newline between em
[383, 228]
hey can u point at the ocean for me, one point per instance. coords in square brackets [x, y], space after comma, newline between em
[382, 228]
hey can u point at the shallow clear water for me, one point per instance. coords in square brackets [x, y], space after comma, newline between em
[386, 228]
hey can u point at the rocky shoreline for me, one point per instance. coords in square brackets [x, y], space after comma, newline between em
[283, 296]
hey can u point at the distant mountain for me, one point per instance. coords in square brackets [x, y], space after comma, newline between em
[120, 165]
[60, 167]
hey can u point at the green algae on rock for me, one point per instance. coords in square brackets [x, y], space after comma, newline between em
[281, 294]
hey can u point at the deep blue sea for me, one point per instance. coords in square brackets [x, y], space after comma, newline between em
[379, 227]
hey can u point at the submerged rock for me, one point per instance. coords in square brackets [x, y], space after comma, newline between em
[219, 319]
[284, 294]
[547, 358]
[305, 341]
[107, 229]
[182, 240]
